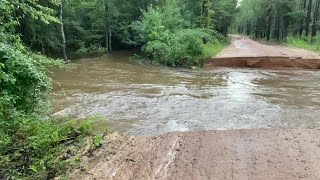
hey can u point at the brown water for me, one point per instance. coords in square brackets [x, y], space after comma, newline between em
[139, 99]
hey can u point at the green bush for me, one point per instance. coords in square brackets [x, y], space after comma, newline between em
[23, 83]
[93, 49]
[184, 48]
[174, 46]
[33, 148]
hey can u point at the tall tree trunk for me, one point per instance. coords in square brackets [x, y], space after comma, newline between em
[285, 27]
[278, 28]
[268, 33]
[301, 25]
[256, 32]
[248, 29]
[315, 19]
[110, 40]
[108, 33]
[62, 34]
[308, 19]
[204, 13]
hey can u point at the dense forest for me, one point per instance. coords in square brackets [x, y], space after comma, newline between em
[33, 145]
[294, 21]
[101, 26]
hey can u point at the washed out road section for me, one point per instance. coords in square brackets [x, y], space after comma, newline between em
[148, 102]
[143, 100]
[245, 52]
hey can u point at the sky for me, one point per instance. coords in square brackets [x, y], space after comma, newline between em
[239, 2]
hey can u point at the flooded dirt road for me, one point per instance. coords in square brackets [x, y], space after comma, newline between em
[141, 100]
[272, 119]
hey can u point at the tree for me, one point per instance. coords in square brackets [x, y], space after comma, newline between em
[106, 25]
[308, 18]
[62, 33]
[315, 19]
[277, 19]
[302, 20]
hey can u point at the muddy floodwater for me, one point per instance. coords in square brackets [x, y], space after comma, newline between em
[145, 100]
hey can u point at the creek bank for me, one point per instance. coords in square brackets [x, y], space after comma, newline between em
[264, 62]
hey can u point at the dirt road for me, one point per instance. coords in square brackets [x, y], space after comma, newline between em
[245, 52]
[242, 46]
[235, 154]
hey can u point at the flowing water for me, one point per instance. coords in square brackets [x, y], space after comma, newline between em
[139, 99]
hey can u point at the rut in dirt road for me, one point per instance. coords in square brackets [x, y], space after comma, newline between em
[235, 154]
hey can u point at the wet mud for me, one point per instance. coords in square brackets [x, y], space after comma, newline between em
[234, 154]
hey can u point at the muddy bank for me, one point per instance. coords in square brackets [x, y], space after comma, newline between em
[264, 62]
[233, 154]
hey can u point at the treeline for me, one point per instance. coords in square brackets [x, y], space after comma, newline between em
[278, 19]
[100, 26]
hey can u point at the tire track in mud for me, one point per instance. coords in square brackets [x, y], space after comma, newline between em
[234, 154]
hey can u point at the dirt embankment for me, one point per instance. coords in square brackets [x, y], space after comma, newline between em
[264, 62]
[245, 52]
[235, 154]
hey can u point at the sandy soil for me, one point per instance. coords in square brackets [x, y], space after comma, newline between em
[233, 154]
[245, 52]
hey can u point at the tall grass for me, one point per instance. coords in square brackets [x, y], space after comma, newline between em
[304, 43]
[213, 49]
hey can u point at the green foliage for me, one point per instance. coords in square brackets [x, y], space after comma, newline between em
[214, 48]
[168, 45]
[33, 148]
[90, 25]
[185, 48]
[23, 83]
[276, 19]
[304, 43]
[97, 141]
[151, 27]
